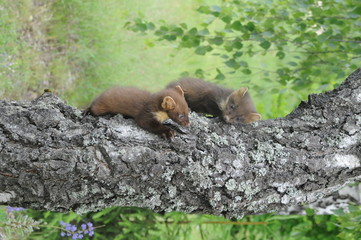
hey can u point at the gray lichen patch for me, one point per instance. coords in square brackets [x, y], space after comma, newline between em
[215, 200]
[358, 120]
[172, 191]
[271, 153]
[231, 184]
[344, 161]
[313, 121]
[207, 160]
[126, 189]
[249, 188]
[275, 131]
[130, 154]
[293, 195]
[6, 196]
[198, 174]
[262, 204]
[168, 174]
[216, 139]
[348, 141]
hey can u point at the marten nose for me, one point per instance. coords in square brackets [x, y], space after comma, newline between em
[186, 123]
[226, 118]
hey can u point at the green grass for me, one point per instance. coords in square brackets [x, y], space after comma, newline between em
[27, 56]
[105, 53]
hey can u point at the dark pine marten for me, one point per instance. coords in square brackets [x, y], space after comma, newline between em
[234, 106]
[148, 110]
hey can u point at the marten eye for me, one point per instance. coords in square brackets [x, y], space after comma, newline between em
[239, 119]
[232, 106]
[181, 116]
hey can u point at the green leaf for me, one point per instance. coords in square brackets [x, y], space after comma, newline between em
[357, 10]
[178, 31]
[243, 64]
[247, 71]
[170, 37]
[217, 41]
[310, 212]
[226, 19]
[322, 37]
[183, 25]
[302, 26]
[292, 64]
[202, 50]
[228, 46]
[237, 54]
[232, 64]
[163, 28]
[141, 27]
[189, 42]
[265, 44]
[339, 212]
[246, 36]
[354, 209]
[216, 8]
[250, 26]
[199, 73]
[281, 55]
[150, 26]
[237, 43]
[184, 74]
[237, 25]
[193, 31]
[203, 32]
[220, 76]
[283, 217]
[204, 9]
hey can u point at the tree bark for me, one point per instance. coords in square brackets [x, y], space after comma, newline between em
[53, 158]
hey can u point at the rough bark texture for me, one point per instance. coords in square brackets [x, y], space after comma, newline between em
[53, 158]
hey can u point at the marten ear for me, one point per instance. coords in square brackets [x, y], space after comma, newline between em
[168, 103]
[179, 89]
[241, 92]
[252, 117]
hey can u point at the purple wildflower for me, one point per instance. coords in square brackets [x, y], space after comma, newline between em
[14, 209]
[83, 226]
[72, 230]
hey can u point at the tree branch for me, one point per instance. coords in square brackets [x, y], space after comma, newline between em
[53, 158]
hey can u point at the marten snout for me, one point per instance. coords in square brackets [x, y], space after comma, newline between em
[183, 120]
[186, 123]
[245, 118]
[233, 119]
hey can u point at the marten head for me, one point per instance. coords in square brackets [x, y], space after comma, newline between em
[239, 108]
[174, 105]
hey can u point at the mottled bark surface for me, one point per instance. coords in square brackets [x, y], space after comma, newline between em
[53, 158]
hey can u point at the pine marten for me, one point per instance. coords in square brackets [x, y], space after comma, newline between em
[234, 106]
[148, 110]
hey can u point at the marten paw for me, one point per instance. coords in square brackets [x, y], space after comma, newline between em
[169, 134]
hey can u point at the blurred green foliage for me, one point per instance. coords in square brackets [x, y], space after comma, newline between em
[284, 49]
[136, 223]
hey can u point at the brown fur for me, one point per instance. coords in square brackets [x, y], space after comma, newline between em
[168, 103]
[123, 100]
[234, 106]
[148, 110]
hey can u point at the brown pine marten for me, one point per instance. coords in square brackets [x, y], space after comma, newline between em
[148, 110]
[234, 106]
